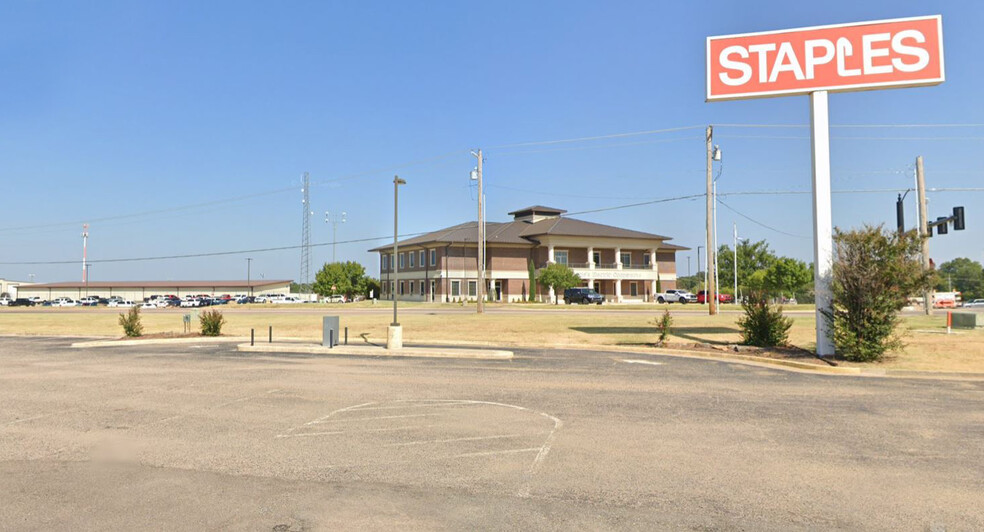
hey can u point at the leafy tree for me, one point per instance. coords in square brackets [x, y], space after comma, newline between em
[559, 277]
[752, 256]
[787, 275]
[755, 282]
[763, 325]
[300, 288]
[966, 276]
[340, 278]
[372, 285]
[690, 282]
[874, 273]
[532, 273]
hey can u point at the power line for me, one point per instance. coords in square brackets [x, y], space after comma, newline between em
[597, 137]
[209, 254]
[750, 219]
[838, 137]
[641, 203]
[619, 145]
[850, 125]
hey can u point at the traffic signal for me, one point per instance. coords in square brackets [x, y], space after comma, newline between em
[958, 218]
[941, 228]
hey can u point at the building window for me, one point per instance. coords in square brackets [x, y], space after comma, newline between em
[391, 287]
[596, 256]
[411, 258]
[626, 258]
[647, 259]
[472, 288]
[385, 262]
[422, 285]
[401, 261]
[421, 258]
[455, 288]
[433, 257]
[560, 256]
[411, 287]
[633, 289]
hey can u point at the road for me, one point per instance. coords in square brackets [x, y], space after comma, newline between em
[204, 438]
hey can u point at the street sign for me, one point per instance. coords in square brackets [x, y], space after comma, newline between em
[905, 52]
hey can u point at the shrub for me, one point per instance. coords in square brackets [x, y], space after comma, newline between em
[763, 325]
[663, 325]
[212, 321]
[130, 320]
[874, 273]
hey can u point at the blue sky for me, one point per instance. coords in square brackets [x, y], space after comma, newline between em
[184, 127]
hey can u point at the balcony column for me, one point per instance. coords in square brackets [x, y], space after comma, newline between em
[652, 291]
[652, 259]
[618, 288]
[550, 254]
[618, 258]
[591, 264]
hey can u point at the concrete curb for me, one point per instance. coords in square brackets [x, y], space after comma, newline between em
[160, 341]
[377, 351]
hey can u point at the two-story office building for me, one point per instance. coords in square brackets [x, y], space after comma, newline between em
[622, 264]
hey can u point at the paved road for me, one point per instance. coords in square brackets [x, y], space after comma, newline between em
[202, 437]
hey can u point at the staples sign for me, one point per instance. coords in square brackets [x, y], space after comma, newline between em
[860, 56]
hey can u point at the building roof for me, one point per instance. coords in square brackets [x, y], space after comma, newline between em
[160, 284]
[537, 209]
[525, 233]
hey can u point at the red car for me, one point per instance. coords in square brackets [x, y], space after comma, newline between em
[722, 298]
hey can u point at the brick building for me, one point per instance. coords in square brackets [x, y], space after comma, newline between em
[622, 264]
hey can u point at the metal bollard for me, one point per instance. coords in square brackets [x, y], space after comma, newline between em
[346, 336]
[251, 336]
[271, 334]
[331, 339]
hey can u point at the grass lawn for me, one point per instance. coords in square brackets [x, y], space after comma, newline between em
[928, 345]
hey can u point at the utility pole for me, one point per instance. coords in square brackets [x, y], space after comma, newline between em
[735, 299]
[85, 243]
[710, 289]
[689, 273]
[481, 234]
[923, 227]
[306, 233]
[396, 247]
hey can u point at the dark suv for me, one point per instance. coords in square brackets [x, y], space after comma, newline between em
[582, 295]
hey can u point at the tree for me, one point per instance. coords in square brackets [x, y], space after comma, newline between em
[965, 275]
[531, 270]
[690, 282]
[371, 287]
[752, 256]
[874, 273]
[787, 275]
[559, 277]
[340, 278]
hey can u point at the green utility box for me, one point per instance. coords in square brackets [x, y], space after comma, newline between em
[964, 320]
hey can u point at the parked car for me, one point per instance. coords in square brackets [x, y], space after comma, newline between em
[583, 296]
[118, 302]
[975, 303]
[64, 302]
[242, 300]
[676, 296]
[5, 300]
[21, 302]
[722, 298]
[148, 306]
[124, 303]
[89, 301]
[37, 300]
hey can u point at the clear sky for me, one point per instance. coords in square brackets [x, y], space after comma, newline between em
[184, 127]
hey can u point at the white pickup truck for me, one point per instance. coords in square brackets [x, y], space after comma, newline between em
[676, 296]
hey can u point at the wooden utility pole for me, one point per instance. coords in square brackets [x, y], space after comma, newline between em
[923, 228]
[710, 291]
[481, 238]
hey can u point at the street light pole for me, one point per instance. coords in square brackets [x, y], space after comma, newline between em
[249, 284]
[481, 234]
[396, 246]
[710, 291]
[334, 220]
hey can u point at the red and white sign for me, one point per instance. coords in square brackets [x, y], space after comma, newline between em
[904, 52]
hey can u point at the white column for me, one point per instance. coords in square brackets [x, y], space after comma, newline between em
[618, 288]
[823, 246]
[652, 259]
[618, 258]
[552, 296]
[550, 254]
[591, 263]
[652, 291]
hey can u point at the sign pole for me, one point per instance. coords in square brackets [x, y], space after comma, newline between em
[823, 241]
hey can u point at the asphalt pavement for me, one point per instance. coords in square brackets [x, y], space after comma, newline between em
[202, 437]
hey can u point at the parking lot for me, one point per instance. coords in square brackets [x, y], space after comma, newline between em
[204, 437]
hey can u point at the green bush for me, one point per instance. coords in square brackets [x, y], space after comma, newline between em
[663, 325]
[212, 321]
[130, 321]
[763, 325]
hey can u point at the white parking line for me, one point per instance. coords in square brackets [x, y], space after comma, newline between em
[648, 362]
[328, 433]
[345, 420]
[449, 440]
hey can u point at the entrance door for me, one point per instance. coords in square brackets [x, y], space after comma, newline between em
[498, 290]
[432, 291]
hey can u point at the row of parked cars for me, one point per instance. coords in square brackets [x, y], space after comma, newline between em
[152, 302]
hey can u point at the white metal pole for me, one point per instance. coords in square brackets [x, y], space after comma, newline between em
[823, 240]
[717, 278]
[735, 298]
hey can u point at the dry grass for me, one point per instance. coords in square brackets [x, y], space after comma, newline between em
[928, 347]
